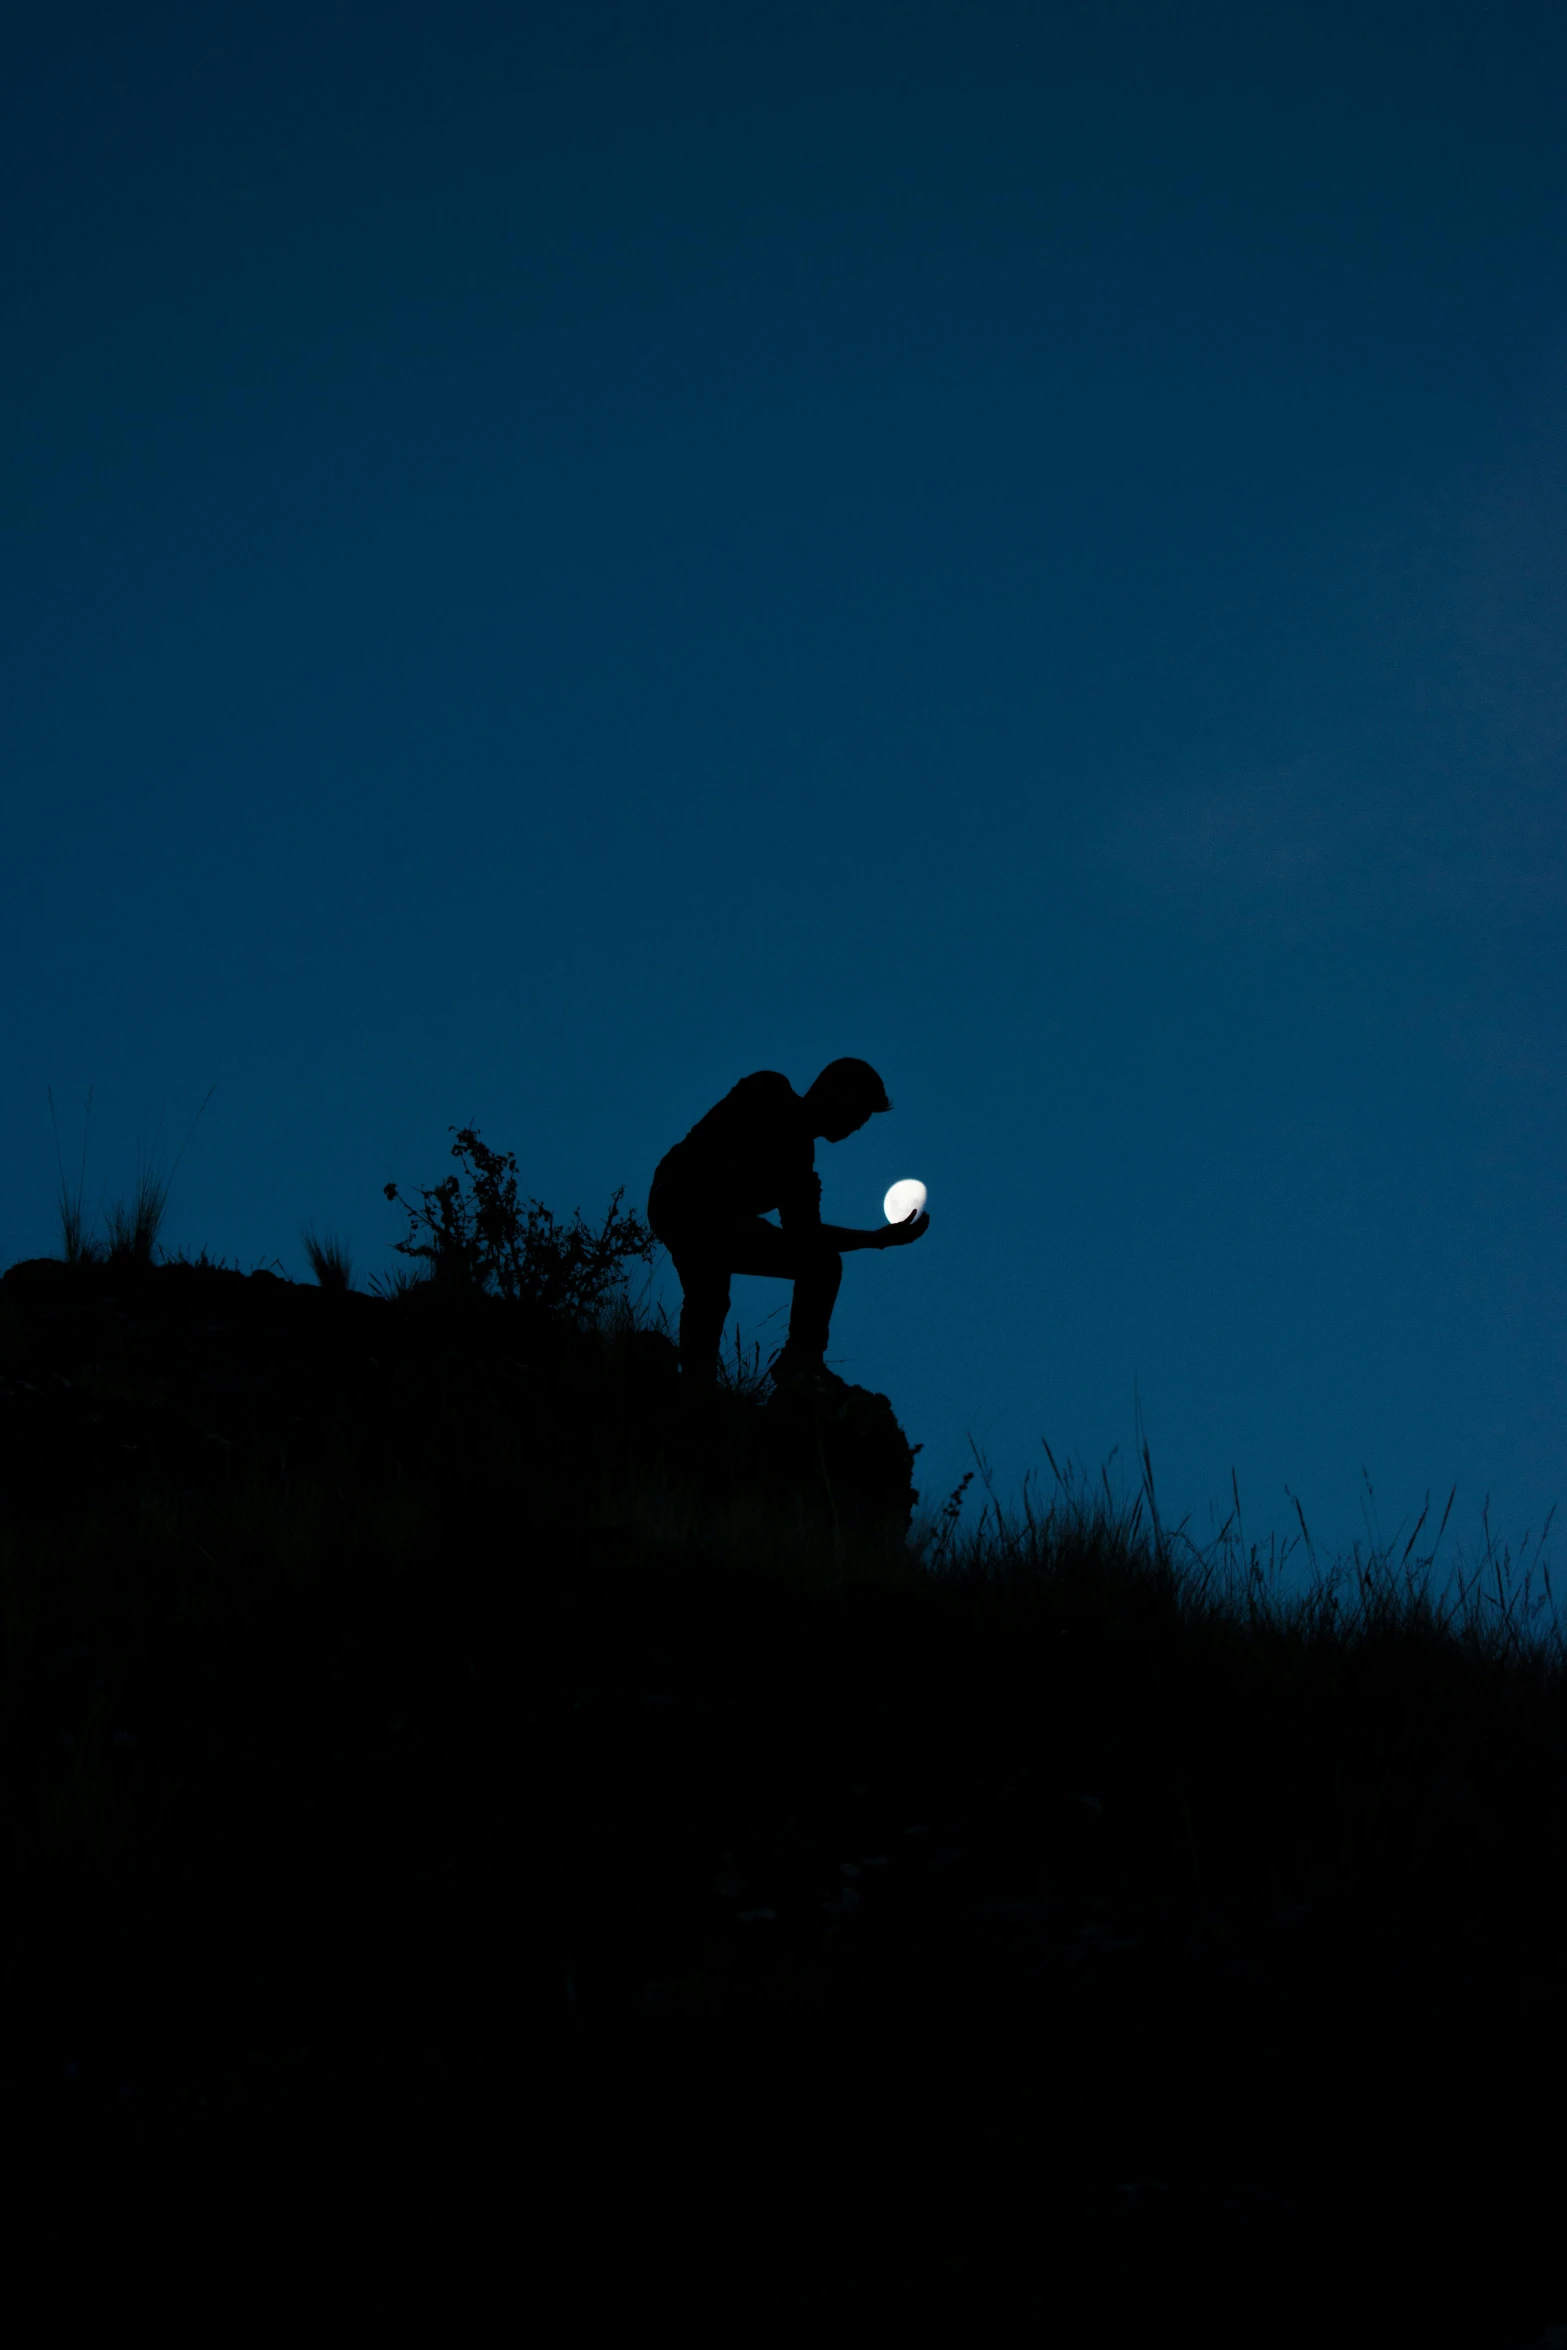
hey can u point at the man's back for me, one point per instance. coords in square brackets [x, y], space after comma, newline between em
[753, 1151]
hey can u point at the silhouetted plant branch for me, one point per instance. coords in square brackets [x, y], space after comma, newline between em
[483, 1238]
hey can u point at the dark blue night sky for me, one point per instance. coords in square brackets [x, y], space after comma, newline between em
[558, 556]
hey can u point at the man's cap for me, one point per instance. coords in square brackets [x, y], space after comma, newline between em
[856, 1079]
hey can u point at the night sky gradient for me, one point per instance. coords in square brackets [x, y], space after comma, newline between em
[558, 556]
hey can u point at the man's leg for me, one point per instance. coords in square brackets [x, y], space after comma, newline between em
[816, 1284]
[704, 1308]
[703, 1314]
[695, 1243]
[817, 1273]
[706, 1255]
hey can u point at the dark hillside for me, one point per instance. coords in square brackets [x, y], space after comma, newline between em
[431, 1837]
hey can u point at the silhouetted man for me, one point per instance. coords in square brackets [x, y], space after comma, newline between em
[757, 1150]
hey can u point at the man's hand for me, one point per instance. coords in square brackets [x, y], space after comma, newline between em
[913, 1227]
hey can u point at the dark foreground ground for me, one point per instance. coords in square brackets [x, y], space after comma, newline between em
[496, 1908]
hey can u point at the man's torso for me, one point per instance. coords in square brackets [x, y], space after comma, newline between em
[753, 1151]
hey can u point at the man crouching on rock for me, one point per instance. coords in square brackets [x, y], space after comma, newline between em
[754, 1151]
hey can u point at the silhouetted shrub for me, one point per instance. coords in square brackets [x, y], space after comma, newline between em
[481, 1239]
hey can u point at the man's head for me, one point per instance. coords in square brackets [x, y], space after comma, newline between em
[841, 1099]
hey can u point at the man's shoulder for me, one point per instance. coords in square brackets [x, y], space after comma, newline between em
[771, 1101]
[764, 1104]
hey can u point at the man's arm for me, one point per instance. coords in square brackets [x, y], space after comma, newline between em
[843, 1238]
[800, 1214]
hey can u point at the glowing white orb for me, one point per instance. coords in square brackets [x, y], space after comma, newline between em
[903, 1201]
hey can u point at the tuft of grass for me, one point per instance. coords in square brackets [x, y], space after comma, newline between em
[399, 1283]
[329, 1261]
[78, 1245]
[748, 1380]
[201, 1262]
[133, 1228]
[1090, 1550]
[132, 1225]
[1111, 1562]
